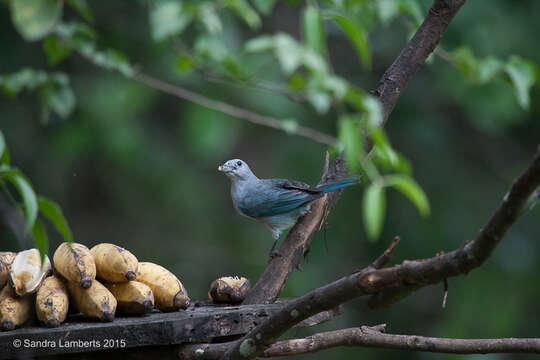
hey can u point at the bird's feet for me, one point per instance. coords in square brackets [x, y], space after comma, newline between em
[273, 253]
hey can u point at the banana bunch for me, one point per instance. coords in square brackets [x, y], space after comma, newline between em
[98, 282]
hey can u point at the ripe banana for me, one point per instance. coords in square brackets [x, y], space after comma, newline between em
[52, 302]
[14, 310]
[27, 273]
[229, 289]
[113, 263]
[75, 263]
[95, 302]
[169, 293]
[134, 298]
[6, 258]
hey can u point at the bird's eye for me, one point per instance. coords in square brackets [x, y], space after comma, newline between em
[239, 163]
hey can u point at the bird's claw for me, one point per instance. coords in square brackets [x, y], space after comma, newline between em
[273, 254]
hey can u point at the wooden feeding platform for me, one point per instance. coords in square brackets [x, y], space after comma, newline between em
[153, 333]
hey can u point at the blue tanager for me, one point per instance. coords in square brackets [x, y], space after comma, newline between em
[276, 203]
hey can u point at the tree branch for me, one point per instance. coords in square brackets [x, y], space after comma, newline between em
[396, 280]
[234, 111]
[394, 80]
[413, 55]
[392, 284]
[374, 336]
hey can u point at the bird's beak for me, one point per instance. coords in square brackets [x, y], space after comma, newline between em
[224, 168]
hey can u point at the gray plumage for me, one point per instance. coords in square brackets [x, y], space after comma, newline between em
[276, 203]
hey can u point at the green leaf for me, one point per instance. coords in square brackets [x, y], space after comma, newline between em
[56, 50]
[260, 44]
[290, 126]
[168, 18]
[313, 30]
[246, 12]
[81, 6]
[59, 99]
[523, 74]
[40, 239]
[320, 100]
[350, 141]
[53, 212]
[408, 187]
[358, 37]
[288, 52]
[209, 17]
[374, 208]
[34, 19]
[185, 63]
[4, 152]
[24, 188]
[264, 6]
[373, 108]
[387, 10]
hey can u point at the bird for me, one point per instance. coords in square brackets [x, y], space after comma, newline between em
[275, 203]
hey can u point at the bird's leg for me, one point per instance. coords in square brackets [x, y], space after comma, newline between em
[273, 252]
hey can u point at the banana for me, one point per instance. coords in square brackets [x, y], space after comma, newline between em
[134, 298]
[169, 293]
[75, 263]
[14, 310]
[27, 273]
[6, 258]
[113, 263]
[52, 302]
[229, 289]
[95, 302]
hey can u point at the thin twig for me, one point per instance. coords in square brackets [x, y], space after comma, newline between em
[234, 111]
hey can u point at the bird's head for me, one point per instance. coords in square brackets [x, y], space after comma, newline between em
[236, 169]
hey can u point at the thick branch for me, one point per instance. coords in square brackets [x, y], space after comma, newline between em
[375, 337]
[413, 55]
[394, 80]
[232, 110]
[392, 284]
[408, 276]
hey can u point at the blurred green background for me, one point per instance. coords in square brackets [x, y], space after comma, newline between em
[138, 168]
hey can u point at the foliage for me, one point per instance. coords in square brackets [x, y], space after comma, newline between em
[30, 204]
[305, 71]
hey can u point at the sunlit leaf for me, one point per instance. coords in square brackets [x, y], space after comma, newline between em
[290, 126]
[313, 30]
[209, 17]
[408, 187]
[374, 208]
[40, 239]
[59, 99]
[320, 100]
[373, 108]
[260, 44]
[357, 35]
[34, 19]
[523, 74]
[26, 192]
[53, 212]
[387, 10]
[350, 141]
[243, 9]
[168, 18]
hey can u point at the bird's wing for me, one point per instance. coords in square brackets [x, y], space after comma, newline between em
[277, 196]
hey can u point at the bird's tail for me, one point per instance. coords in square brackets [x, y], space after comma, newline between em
[333, 186]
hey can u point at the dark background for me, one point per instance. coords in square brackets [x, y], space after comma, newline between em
[137, 168]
